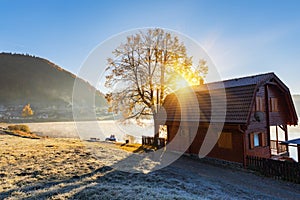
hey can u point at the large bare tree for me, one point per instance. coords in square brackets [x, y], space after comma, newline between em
[145, 69]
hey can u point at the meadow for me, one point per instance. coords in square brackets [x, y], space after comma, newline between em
[66, 168]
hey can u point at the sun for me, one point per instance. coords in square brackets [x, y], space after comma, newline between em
[184, 76]
[180, 83]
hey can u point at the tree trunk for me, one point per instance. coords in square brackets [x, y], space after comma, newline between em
[156, 130]
[162, 85]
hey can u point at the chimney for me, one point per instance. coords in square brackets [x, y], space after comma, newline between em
[201, 81]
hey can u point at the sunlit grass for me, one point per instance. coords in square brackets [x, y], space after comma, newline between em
[24, 161]
[135, 148]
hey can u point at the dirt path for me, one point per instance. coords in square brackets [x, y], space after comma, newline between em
[64, 169]
[239, 184]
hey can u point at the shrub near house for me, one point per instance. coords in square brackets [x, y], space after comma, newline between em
[20, 127]
[21, 131]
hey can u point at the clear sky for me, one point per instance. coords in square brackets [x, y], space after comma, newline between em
[242, 37]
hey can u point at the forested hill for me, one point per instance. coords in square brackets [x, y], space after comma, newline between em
[28, 79]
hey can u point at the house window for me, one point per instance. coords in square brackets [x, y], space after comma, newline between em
[225, 140]
[273, 104]
[259, 104]
[257, 140]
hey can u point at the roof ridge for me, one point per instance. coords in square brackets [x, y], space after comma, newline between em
[244, 77]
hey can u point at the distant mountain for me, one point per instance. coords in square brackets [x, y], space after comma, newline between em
[47, 87]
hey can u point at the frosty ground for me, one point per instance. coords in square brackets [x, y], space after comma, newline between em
[58, 168]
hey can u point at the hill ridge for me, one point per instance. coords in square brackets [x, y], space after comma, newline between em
[46, 86]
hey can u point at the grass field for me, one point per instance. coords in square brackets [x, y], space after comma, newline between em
[60, 168]
[24, 161]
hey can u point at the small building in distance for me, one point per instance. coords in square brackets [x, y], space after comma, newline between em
[258, 110]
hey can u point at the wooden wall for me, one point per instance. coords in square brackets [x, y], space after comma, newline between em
[280, 117]
[275, 118]
[235, 154]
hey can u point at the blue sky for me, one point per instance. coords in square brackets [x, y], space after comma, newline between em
[241, 37]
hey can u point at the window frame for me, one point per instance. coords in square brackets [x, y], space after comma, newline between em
[273, 104]
[256, 140]
[261, 136]
[225, 140]
[259, 104]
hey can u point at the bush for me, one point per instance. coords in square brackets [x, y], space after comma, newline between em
[23, 128]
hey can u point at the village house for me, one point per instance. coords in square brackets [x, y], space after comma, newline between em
[258, 111]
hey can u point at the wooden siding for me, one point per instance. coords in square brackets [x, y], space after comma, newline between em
[275, 118]
[235, 154]
[280, 117]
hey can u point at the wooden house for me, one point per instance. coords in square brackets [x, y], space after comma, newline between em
[258, 110]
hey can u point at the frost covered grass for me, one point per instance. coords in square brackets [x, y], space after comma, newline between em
[24, 161]
[52, 168]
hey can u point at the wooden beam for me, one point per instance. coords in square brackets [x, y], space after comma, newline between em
[298, 147]
[286, 137]
[267, 114]
[245, 151]
[277, 144]
[272, 83]
[283, 127]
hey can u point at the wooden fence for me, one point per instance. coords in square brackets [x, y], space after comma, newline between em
[282, 170]
[146, 140]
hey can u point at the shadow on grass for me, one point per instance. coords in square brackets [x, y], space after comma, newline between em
[185, 177]
[101, 182]
[22, 134]
[107, 174]
[48, 184]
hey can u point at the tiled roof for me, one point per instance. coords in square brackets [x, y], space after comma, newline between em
[232, 100]
[235, 110]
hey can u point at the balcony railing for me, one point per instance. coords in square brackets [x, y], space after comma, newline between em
[146, 140]
[277, 148]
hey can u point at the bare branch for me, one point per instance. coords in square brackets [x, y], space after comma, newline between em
[143, 70]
